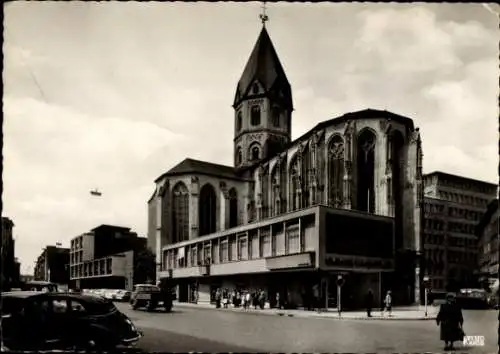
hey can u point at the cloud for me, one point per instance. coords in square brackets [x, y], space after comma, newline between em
[129, 90]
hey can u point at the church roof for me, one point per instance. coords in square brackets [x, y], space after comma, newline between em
[191, 166]
[364, 114]
[264, 66]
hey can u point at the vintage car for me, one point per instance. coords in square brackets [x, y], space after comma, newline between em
[150, 296]
[44, 321]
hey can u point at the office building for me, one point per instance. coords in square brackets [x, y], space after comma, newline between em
[104, 258]
[453, 206]
[53, 265]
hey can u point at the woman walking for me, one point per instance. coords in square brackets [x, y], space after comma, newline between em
[451, 321]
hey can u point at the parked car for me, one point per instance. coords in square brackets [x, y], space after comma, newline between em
[150, 297]
[123, 295]
[63, 321]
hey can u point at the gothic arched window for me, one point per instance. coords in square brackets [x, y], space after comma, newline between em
[239, 122]
[275, 190]
[265, 193]
[336, 171]
[233, 208]
[276, 116]
[306, 168]
[180, 213]
[366, 171]
[294, 183]
[239, 156]
[255, 115]
[254, 152]
[397, 164]
[207, 210]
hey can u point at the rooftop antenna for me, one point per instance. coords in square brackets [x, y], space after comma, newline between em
[263, 17]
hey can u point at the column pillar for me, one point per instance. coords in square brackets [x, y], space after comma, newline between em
[194, 207]
[224, 207]
[349, 138]
[160, 194]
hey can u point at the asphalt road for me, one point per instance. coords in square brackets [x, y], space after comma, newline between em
[187, 329]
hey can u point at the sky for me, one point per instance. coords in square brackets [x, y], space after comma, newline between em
[110, 95]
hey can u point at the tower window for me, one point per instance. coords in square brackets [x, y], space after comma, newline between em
[239, 120]
[255, 116]
[239, 157]
[276, 117]
[255, 89]
[255, 153]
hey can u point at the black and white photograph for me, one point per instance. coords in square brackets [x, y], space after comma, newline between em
[250, 177]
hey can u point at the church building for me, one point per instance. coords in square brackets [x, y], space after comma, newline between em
[291, 216]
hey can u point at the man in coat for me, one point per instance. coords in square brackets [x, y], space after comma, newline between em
[451, 320]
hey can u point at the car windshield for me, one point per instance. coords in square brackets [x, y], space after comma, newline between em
[147, 288]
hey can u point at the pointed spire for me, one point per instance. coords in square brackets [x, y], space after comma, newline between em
[265, 67]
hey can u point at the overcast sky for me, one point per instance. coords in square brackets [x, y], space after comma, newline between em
[109, 95]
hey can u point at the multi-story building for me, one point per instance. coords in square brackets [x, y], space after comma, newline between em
[53, 265]
[453, 206]
[9, 265]
[291, 216]
[488, 246]
[104, 258]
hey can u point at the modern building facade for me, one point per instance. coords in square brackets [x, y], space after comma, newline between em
[9, 266]
[289, 216]
[453, 207]
[488, 245]
[53, 265]
[104, 258]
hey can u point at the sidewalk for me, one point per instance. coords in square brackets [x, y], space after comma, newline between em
[414, 313]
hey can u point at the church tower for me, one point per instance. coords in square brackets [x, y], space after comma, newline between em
[262, 104]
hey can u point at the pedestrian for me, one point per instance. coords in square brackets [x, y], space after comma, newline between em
[247, 300]
[278, 305]
[262, 299]
[369, 303]
[316, 297]
[218, 298]
[388, 303]
[451, 321]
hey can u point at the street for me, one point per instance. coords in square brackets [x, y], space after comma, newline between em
[187, 329]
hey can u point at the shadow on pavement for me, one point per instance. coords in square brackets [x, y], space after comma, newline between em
[165, 341]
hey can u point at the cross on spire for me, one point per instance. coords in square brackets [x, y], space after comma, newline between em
[263, 17]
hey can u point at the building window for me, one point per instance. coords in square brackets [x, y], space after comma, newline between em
[180, 213]
[224, 252]
[242, 249]
[239, 156]
[233, 208]
[194, 256]
[207, 210]
[276, 116]
[293, 240]
[102, 268]
[294, 185]
[255, 115]
[366, 171]
[255, 89]
[207, 254]
[239, 122]
[265, 245]
[254, 152]
[109, 269]
[336, 171]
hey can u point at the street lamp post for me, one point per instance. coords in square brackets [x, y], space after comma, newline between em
[426, 289]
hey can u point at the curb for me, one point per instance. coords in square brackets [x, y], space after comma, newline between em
[308, 315]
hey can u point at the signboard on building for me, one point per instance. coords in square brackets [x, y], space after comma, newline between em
[358, 262]
[359, 235]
